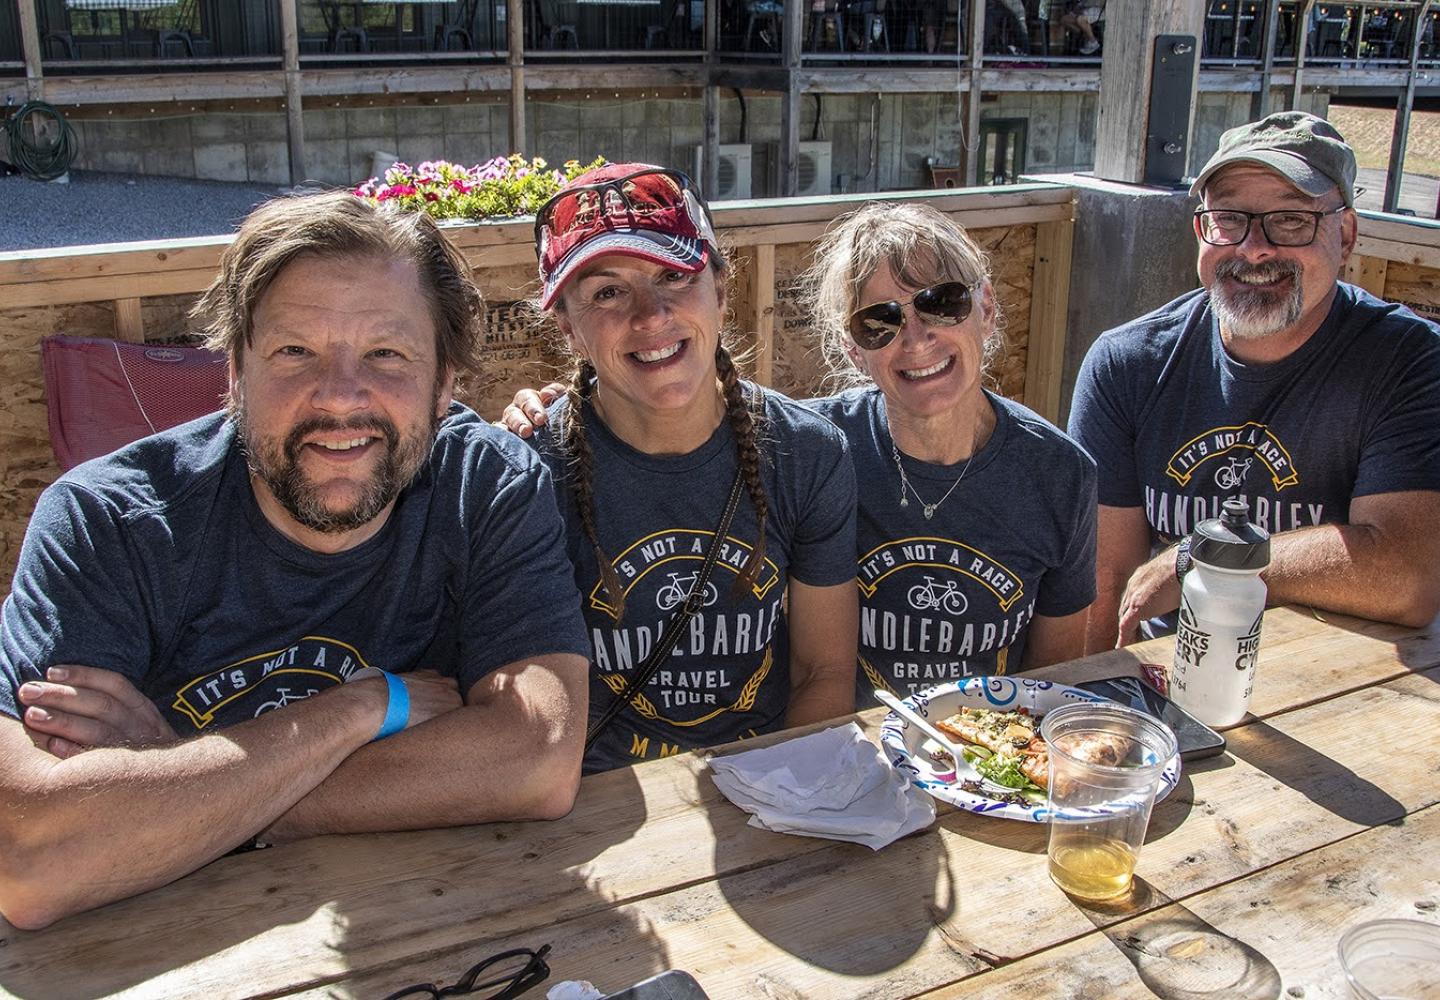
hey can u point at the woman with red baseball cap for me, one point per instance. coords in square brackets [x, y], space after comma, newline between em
[711, 522]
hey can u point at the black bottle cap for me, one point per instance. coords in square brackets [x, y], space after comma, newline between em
[1230, 541]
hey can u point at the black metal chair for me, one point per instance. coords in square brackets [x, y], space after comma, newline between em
[340, 32]
[178, 33]
[553, 30]
[462, 27]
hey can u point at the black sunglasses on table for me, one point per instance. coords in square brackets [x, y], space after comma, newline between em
[945, 304]
[512, 973]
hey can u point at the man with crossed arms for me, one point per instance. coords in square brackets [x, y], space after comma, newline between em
[1313, 400]
[188, 654]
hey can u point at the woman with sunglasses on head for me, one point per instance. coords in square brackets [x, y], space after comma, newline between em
[976, 520]
[654, 440]
[976, 527]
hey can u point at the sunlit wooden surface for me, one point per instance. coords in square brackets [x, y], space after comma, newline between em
[1321, 814]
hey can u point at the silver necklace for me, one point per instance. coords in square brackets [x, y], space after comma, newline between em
[928, 509]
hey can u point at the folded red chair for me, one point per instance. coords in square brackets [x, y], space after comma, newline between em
[103, 394]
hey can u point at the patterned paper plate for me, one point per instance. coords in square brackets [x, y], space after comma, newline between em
[903, 742]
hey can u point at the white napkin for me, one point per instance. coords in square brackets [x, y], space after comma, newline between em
[832, 784]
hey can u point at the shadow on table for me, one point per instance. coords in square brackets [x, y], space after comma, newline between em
[1417, 649]
[1177, 953]
[1320, 779]
[902, 892]
[340, 913]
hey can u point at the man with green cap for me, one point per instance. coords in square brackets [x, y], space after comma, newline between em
[1316, 402]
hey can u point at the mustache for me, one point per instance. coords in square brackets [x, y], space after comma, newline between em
[378, 426]
[1270, 270]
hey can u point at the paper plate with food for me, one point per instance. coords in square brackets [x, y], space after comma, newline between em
[995, 723]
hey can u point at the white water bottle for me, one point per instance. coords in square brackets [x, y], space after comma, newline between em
[1222, 599]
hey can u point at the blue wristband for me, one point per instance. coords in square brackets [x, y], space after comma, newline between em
[397, 710]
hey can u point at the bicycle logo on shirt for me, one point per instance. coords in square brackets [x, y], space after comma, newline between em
[1230, 475]
[932, 596]
[674, 593]
[283, 698]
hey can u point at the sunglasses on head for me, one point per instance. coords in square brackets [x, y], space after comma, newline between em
[652, 192]
[945, 304]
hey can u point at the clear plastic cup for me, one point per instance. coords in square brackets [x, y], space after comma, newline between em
[1392, 960]
[1105, 767]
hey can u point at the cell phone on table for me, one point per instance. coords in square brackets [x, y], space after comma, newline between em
[671, 985]
[1196, 739]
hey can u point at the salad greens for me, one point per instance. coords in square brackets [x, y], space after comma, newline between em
[1004, 771]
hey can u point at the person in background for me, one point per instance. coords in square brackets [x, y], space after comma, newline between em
[342, 605]
[653, 432]
[1276, 382]
[1080, 18]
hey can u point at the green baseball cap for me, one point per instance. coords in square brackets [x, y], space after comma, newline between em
[1305, 150]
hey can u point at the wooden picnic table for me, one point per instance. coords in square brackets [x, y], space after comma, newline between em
[1321, 814]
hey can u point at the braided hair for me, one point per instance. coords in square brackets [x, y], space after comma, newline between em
[743, 417]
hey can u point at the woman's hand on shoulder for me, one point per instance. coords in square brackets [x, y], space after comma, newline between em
[527, 410]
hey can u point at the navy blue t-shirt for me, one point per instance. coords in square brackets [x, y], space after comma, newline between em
[1177, 425]
[728, 677]
[953, 595]
[156, 562]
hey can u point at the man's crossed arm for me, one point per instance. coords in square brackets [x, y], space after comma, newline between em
[104, 802]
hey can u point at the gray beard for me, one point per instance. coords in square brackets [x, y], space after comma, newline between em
[277, 465]
[1252, 313]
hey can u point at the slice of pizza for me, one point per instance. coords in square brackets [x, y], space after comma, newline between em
[998, 732]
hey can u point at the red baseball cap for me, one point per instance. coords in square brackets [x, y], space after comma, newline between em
[631, 209]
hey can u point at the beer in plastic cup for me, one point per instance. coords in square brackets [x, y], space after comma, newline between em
[1105, 766]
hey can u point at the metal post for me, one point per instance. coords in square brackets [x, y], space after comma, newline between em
[1395, 172]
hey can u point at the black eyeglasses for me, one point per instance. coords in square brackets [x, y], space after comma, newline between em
[512, 973]
[1287, 228]
[945, 304]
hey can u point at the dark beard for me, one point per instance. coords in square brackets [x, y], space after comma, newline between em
[1255, 312]
[280, 469]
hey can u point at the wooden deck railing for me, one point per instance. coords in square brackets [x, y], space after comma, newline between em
[143, 291]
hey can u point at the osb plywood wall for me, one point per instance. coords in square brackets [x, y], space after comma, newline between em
[519, 350]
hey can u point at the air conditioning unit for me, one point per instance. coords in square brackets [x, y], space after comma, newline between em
[734, 171]
[814, 169]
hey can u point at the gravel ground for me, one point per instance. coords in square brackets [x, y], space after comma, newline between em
[119, 208]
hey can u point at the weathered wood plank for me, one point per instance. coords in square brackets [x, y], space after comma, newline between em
[1404, 253]
[1049, 302]
[1268, 935]
[1366, 272]
[762, 316]
[1125, 74]
[128, 323]
[120, 286]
